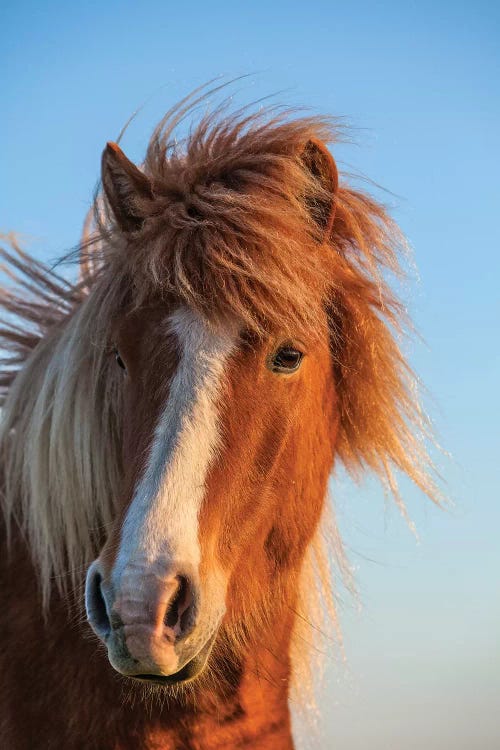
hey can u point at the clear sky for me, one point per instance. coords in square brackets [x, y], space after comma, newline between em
[419, 84]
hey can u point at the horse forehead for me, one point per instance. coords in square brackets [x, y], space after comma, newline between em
[196, 334]
[176, 331]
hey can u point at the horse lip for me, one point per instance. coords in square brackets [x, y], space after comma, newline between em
[188, 672]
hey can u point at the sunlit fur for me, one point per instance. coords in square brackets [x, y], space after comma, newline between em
[229, 235]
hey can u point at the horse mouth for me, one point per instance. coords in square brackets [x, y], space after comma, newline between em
[189, 671]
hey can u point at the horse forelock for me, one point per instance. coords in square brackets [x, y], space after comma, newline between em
[227, 232]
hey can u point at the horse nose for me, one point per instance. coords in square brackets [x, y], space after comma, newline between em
[164, 606]
[180, 609]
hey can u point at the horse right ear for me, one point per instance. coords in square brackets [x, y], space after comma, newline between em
[321, 165]
[127, 189]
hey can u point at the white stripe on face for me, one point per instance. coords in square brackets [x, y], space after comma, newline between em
[161, 525]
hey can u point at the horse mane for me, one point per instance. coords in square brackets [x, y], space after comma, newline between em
[226, 232]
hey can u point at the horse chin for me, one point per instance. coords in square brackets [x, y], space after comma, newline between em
[187, 673]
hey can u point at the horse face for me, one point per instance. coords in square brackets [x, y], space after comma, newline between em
[225, 435]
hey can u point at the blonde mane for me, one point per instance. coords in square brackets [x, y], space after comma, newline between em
[228, 234]
[60, 422]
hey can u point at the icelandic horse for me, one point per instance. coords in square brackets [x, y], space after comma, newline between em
[169, 426]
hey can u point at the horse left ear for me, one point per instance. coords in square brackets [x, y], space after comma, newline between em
[318, 160]
[127, 189]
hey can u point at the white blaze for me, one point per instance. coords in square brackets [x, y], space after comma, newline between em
[161, 525]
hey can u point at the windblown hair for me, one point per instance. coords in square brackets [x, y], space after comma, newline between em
[228, 229]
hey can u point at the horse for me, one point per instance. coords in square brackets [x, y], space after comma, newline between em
[170, 422]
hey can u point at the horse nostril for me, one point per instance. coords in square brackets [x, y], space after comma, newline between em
[180, 614]
[95, 603]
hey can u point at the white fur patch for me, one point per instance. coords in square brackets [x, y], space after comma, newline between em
[161, 525]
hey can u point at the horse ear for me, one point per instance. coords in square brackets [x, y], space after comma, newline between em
[318, 160]
[127, 189]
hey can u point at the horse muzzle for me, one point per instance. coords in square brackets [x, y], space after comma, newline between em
[150, 622]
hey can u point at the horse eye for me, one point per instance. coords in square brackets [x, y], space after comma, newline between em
[286, 360]
[119, 360]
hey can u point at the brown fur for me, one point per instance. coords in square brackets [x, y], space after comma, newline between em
[239, 224]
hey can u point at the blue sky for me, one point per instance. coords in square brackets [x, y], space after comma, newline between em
[419, 85]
